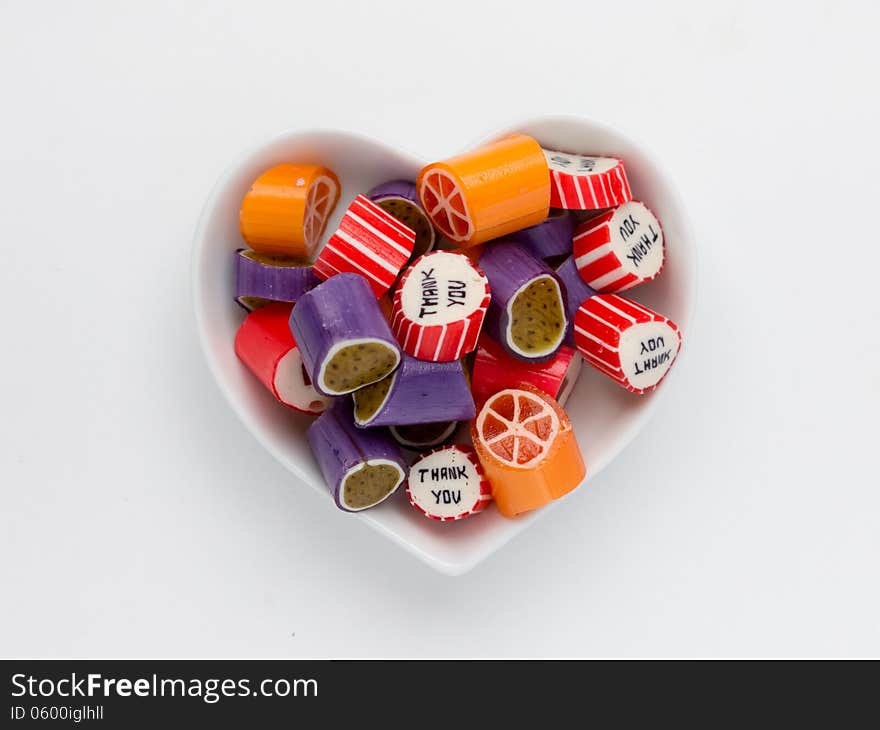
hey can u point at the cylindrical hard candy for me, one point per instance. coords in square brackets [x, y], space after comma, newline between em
[439, 306]
[262, 279]
[620, 248]
[266, 346]
[495, 370]
[488, 192]
[286, 209]
[586, 182]
[448, 484]
[370, 242]
[419, 391]
[527, 311]
[418, 436]
[632, 345]
[527, 448]
[343, 335]
[576, 292]
[399, 197]
[361, 467]
[549, 238]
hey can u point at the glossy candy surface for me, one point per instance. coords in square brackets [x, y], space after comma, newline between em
[528, 449]
[286, 210]
[485, 193]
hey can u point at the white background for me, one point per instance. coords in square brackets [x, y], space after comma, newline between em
[139, 518]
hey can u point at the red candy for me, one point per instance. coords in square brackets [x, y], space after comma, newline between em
[581, 182]
[370, 242]
[631, 344]
[495, 370]
[619, 248]
[265, 344]
[439, 306]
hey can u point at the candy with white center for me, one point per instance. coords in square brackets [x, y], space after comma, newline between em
[527, 311]
[586, 182]
[549, 238]
[495, 370]
[262, 279]
[620, 248]
[286, 209]
[439, 306]
[418, 436]
[266, 346]
[399, 198]
[419, 391]
[631, 344]
[576, 292]
[448, 484]
[343, 335]
[361, 466]
[370, 242]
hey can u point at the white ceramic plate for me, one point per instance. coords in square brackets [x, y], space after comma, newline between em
[605, 417]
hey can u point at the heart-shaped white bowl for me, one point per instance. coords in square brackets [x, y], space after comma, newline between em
[605, 417]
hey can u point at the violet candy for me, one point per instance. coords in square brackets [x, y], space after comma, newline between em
[262, 279]
[361, 467]
[419, 391]
[527, 312]
[343, 336]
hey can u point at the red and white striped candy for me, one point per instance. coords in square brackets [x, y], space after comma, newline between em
[448, 483]
[439, 306]
[620, 248]
[370, 242]
[586, 182]
[631, 344]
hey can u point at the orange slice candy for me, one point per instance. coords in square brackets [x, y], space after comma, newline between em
[286, 210]
[528, 450]
[488, 192]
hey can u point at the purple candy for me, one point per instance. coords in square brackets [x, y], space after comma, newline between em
[551, 237]
[577, 291]
[510, 269]
[418, 437]
[340, 312]
[419, 391]
[262, 277]
[343, 450]
[399, 197]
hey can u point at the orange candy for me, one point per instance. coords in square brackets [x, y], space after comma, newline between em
[488, 192]
[528, 450]
[286, 210]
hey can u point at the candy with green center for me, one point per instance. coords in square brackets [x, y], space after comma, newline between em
[361, 467]
[527, 313]
[399, 197]
[419, 391]
[343, 335]
[261, 279]
[420, 436]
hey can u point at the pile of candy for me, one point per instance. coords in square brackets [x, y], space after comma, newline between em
[470, 295]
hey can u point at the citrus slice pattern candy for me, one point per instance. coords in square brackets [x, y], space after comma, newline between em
[286, 210]
[446, 206]
[488, 192]
[320, 201]
[528, 449]
[517, 427]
